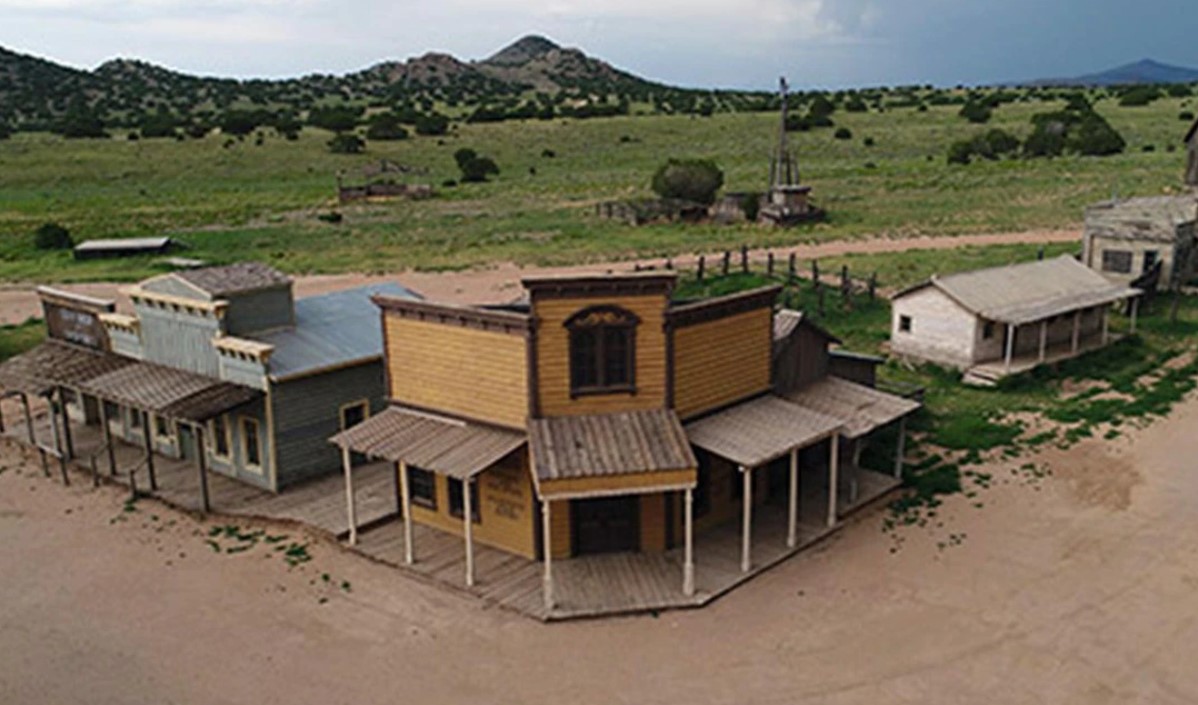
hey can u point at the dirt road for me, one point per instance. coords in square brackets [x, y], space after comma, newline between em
[1080, 587]
[500, 284]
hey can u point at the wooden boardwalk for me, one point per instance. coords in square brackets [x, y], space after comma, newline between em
[585, 586]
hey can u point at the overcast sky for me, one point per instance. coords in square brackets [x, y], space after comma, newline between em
[704, 43]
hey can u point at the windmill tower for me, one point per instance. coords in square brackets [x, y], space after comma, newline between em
[788, 200]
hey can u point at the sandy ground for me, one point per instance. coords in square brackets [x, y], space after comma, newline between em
[1078, 587]
[500, 284]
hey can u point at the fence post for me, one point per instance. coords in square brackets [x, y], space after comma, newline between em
[744, 258]
[815, 273]
[769, 264]
[1040, 254]
[669, 263]
[873, 286]
[702, 266]
[727, 261]
[792, 265]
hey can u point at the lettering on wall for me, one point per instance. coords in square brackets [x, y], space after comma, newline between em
[77, 325]
[505, 493]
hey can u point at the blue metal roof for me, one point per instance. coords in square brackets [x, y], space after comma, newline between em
[331, 329]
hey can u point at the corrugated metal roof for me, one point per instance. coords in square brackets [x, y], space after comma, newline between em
[758, 431]
[169, 391]
[860, 408]
[330, 330]
[446, 446]
[233, 278]
[55, 363]
[1028, 292]
[130, 243]
[602, 445]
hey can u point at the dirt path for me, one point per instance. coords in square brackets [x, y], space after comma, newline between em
[500, 283]
[1055, 594]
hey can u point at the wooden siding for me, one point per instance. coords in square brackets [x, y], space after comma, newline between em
[802, 359]
[234, 465]
[462, 371]
[561, 529]
[508, 518]
[176, 338]
[615, 484]
[307, 411]
[722, 361]
[125, 343]
[653, 522]
[553, 357]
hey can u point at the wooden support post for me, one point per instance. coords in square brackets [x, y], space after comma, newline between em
[744, 258]
[815, 273]
[792, 265]
[409, 551]
[351, 508]
[107, 437]
[702, 266]
[833, 478]
[846, 284]
[855, 478]
[769, 264]
[1135, 306]
[202, 461]
[1106, 325]
[727, 262]
[468, 529]
[746, 526]
[2, 416]
[1010, 347]
[902, 443]
[547, 550]
[1077, 331]
[1043, 339]
[148, 434]
[95, 472]
[792, 507]
[58, 449]
[688, 556]
[33, 433]
[66, 424]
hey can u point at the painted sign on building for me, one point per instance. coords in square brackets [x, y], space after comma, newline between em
[74, 318]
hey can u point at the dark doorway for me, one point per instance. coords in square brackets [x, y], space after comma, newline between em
[605, 525]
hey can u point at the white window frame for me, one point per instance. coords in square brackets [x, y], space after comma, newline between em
[255, 468]
[363, 403]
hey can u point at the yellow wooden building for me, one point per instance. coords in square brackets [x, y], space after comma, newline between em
[602, 415]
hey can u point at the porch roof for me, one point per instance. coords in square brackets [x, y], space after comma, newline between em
[55, 363]
[861, 408]
[758, 431]
[171, 392]
[446, 446]
[606, 445]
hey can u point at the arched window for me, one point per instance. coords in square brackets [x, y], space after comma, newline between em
[602, 350]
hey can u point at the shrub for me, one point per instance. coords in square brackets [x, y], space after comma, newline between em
[434, 124]
[992, 144]
[750, 203]
[856, 105]
[5, 131]
[688, 179]
[869, 142]
[239, 122]
[333, 217]
[976, 112]
[339, 119]
[548, 153]
[1179, 90]
[346, 143]
[1139, 96]
[161, 124]
[960, 152]
[197, 130]
[386, 127]
[843, 133]
[1185, 116]
[52, 236]
[1095, 137]
[478, 169]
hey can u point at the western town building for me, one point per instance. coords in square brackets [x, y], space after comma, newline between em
[998, 321]
[1191, 140]
[219, 366]
[636, 451]
[1126, 239]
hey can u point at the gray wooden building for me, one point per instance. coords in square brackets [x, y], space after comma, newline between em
[315, 364]
[1125, 239]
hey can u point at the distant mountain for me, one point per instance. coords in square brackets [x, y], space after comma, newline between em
[34, 92]
[1144, 71]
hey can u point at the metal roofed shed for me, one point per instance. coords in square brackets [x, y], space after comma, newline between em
[755, 432]
[446, 446]
[1028, 292]
[123, 247]
[331, 330]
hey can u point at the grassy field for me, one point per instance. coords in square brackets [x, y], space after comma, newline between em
[261, 202]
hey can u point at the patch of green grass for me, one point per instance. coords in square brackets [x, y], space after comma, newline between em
[16, 339]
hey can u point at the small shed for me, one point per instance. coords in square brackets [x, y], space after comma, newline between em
[123, 247]
[385, 179]
[1125, 239]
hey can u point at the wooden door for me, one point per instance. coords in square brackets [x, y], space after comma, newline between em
[606, 525]
[187, 442]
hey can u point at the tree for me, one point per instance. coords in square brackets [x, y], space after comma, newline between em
[976, 112]
[5, 131]
[346, 143]
[81, 121]
[433, 124]
[385, 126]
[239, 123]
[338, 119]
[695, 180]
[52, 236]
[160, 124]
[474, 168]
